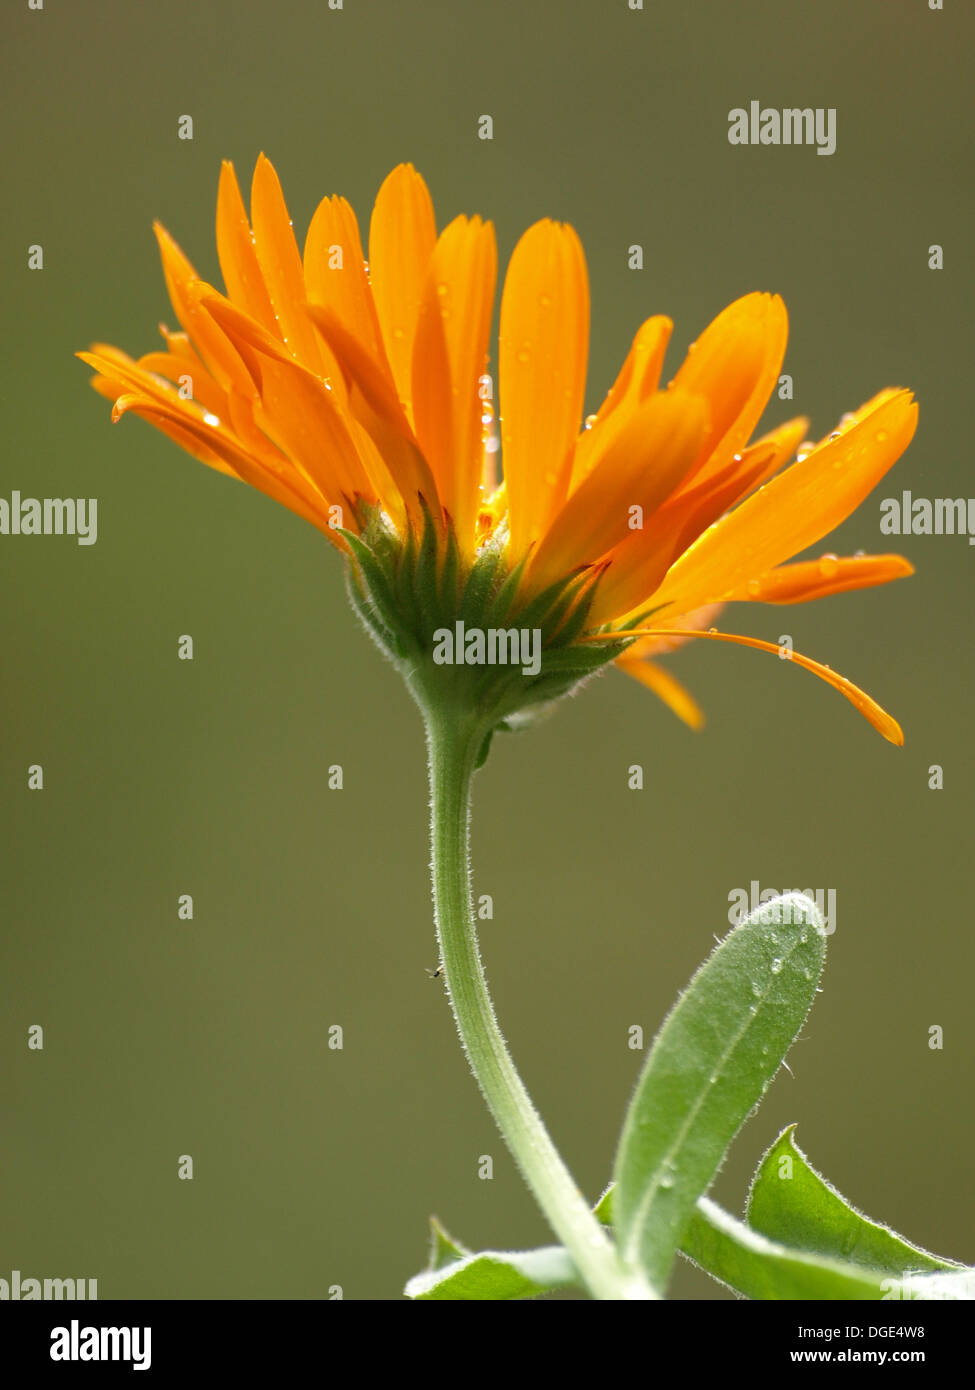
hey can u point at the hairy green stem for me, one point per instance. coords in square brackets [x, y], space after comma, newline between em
[453, 741]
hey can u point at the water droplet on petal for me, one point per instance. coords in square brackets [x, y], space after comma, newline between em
[712, 630]
[590, 421]
[881, 436]
[524, 355]
[211, 419]
[754, 588]
[836, 434]
[829, 566]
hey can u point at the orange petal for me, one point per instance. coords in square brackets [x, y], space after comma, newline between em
[641, 467]
[811, 579]
[239, 265]
[667, 687]
[544, 342]
[794, 510]
[335, 273]
[883, 722]
[449, 356]
[218, 354]
[402, 235]
[639, 563]
[735, 364]
[277, 253]
[132, 377]
[638, 379]
[176, 368]
[377, 406]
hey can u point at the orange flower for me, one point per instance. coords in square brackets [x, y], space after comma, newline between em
[356, 394]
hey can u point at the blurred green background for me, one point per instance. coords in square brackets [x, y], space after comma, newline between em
[316, 1167]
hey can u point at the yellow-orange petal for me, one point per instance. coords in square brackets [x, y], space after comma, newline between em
[883, 722]
[125, 375]
[239, 265]
[449, 356]
[638, 379]
[830, 574]
[281, 268]
[208, 339]
[640, 468]
[793, 510]
[402, 235]
[543, 346]
[335, 273]
[376, 405]
[639, 563]
[667, 687]
[735, 364]
[177, 368]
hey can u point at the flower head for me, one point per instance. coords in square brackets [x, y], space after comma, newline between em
[356, 393]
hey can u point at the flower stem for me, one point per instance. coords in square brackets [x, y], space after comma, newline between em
[453, 741]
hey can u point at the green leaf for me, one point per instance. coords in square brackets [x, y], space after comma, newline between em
[709, 1066]
[792, 1203]
[497, 1275]
[757, 1267]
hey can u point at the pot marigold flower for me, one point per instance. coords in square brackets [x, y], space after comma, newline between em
[355, 393]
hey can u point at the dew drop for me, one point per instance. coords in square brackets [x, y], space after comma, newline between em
[829, 566]
[776, 966]
[712, 630]
[590, 421]
[524, 355]
[443, 288]
[491, 446]
[881, 436]
[754, 588]
[210, 419]
[399, 334]
[836, 434]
